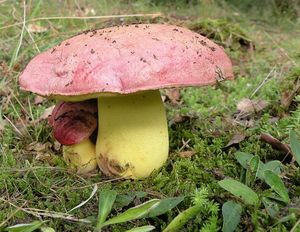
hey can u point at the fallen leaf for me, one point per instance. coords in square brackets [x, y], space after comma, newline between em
[41, 151]
[173, 95]
[288, 95]
[243, 120]
[4, 91]
[44, 156]
[250, 106]
[39, 147]
[3, 123]
[34, 28]
[38, 99]
[45, 115]
[245, 108]
[186, 154]
[236, 139]
[286, 99]
[56, 146]
[179, 118]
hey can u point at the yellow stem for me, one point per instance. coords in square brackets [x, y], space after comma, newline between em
[133, 134]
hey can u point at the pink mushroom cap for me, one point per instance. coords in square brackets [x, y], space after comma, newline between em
[126, 59]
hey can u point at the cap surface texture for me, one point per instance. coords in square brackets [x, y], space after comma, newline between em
[126, 59]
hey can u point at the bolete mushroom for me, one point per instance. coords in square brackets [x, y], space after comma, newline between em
[124, 67]
[73, 125]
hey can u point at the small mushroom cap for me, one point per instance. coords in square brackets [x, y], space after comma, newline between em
[126, 59]
[74, 122]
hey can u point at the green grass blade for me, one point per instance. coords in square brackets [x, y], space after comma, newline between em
[277, 185]
[164, 206]
[295, 146]
[243, 158]
[181, 219]
[46, 229]
[141, 229]
[25, 227]
[106, 200]
[240, 190]
[87, 200]
[231, 212]
[133, 213]
[36, 9]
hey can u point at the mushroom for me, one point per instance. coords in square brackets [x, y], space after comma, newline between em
[124, 67]
[73, 125]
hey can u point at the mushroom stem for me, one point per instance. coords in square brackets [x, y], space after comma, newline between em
[81, 156]
[133, 134]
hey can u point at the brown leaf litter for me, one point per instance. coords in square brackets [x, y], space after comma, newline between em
[236, 139]
[187, 154]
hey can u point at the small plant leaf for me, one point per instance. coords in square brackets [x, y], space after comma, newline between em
[295, 146]
[107, 198]
[164, 206]
[271, 206]
[273, 165]
[25, 227]
[236, 139]
[277, 185]
[254, 162]
[141, 229]
[243, 158]
[291, 217]
[133, 213]
[231, 212]
[252, 171]
[240, 190]
[181, 219]
[46, 229]
[273, 196]
[123, 200]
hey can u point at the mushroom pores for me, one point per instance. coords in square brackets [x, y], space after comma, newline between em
[123, 68]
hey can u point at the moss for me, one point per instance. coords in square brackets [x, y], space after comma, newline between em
[223, 31]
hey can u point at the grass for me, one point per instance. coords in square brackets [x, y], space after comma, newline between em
[36, 177]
